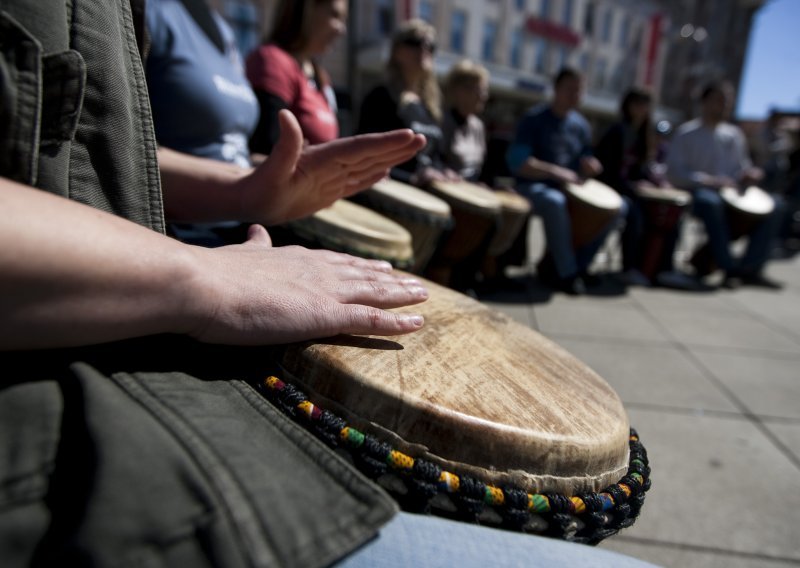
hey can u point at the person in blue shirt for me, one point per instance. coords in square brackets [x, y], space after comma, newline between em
[553, 146]
[201, 100]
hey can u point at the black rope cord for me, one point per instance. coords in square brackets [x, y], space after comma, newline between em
[603, 514]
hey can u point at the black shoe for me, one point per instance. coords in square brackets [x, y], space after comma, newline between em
[591, 280]
[760, 281]
[573, 286]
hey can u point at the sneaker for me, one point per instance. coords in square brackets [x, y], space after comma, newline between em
[634, 277]
[678, 280]
[573, 286]
[759, 280]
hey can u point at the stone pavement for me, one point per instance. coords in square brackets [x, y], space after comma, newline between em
[711, 381]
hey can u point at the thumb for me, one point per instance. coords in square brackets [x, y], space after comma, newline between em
[287, 149]
[258, 235]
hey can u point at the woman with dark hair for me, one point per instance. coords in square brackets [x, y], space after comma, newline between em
[285, 74]
[411, 98]
[628, 152]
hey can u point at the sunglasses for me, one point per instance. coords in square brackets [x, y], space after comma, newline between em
[419, 43]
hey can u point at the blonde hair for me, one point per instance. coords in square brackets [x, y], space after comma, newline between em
[427, 87]
[465, 73]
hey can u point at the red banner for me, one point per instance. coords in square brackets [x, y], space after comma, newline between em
[552, 31]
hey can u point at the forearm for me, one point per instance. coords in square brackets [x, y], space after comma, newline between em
[200, 190]
[73, 275]
[536, 169]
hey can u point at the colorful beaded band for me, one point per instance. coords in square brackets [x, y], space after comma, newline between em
[603, 513]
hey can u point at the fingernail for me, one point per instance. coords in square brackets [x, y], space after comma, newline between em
[416, 321]
[419, 291]
[411, 281]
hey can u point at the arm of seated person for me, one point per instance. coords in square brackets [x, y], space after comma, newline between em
[73, 275]
[293, 182]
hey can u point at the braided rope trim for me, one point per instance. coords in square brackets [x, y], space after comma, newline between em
[586, 517]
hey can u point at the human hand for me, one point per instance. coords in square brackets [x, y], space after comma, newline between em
[590, 167]
[751, 176]
[252, 294]
[296, 181]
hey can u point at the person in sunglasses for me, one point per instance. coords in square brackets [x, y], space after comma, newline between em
[411, 98]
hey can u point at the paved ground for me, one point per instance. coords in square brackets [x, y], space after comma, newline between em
[711, 380]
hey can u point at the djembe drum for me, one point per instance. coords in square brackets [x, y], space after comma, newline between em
[423, 215]
[662, 208]
[746, 208]
[514, 211]
[592, 206]
[474, 417]
[476, 212]
[350, 228]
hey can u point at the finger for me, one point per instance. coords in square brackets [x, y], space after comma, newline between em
[289, 146]
[340, 258]
[354, 149]
[258, 235]
[377, 294]
[366, 320]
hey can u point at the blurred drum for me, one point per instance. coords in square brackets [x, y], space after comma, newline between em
[476, 212]
[425, 216]
[514, 211]
[746, 208]
[475, 417]
[592, 206]
[350, 228]
[662, 208]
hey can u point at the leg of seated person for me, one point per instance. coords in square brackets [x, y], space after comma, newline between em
[551, 205]
[632, 235]
[433, 542]
[708, 206]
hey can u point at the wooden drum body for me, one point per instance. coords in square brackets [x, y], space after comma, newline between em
[353, 229]
[746, 209]
[423, 215]
[662, 208]
[514, 211]
[475, 416]
[592, 206]
[476, 211]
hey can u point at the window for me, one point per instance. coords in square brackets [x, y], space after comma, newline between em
[385, 16]
[583, 63]
[600, 74]
[624, 32]
[567, 15]
[426, 11]
[544, 9]
[244, 19]
[458, 30]
[588, 19]
[608, 20]
[540, 60]
[521, 5]
[561, 57]
[489, 40]
[515, 55]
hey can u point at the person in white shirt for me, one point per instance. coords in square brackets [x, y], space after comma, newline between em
[707, 154]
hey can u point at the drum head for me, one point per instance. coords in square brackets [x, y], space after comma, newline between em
[349, 227]
[397, 197]
[670, 195]
[751, 201]
[513, 202]
[476, 393]
[467, 196]
[595, 194]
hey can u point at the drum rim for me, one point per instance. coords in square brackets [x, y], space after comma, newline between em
[431, 204]
[575, 191]
[604, 512]
[726, 193]
[486, 202]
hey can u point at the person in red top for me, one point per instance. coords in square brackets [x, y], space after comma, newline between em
[285, 75]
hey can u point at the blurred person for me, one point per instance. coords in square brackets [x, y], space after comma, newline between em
[411, 98]
[628, 153]
[551, 147]
[193, 70]
[707, 154]
[285, 72]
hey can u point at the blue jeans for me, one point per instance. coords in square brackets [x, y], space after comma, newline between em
[433, 542]
[708, 206]
[550, 204]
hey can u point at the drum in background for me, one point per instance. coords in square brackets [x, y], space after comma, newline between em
[514, 211]
[476, 211]
[475, 417]
[592, 206]
[746, 208]
[662, 208]
[353, 229]
[425, 216]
